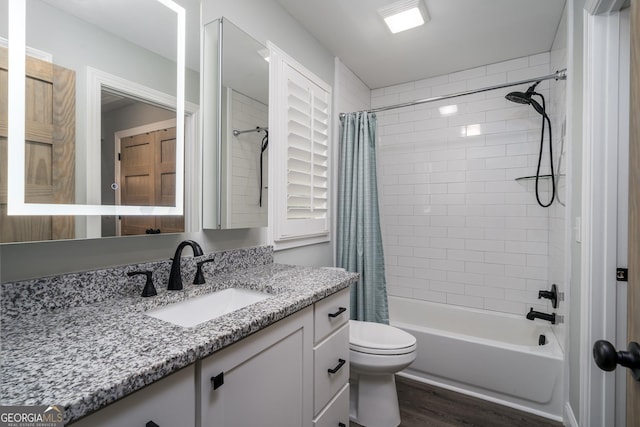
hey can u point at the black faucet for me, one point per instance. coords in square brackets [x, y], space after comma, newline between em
[551, 295]
[175, 277]
[199, 277]
[544, 316]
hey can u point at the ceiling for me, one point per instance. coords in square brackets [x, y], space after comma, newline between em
[461, 34]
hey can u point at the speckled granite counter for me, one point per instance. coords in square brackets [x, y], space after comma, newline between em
[87, 356]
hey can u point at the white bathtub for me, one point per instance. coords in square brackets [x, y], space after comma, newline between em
[489, 355]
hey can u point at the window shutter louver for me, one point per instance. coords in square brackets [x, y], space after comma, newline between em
[303, 208]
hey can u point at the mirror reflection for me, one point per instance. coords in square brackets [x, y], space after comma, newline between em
[243, 140]
[138, 163]
[70, 156]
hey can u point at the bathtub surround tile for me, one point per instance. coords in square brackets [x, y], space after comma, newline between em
[426, 295]
[86, 353]
[513, 64]
[465, 301]
[478, 224]
[447, 287]
[505, 306]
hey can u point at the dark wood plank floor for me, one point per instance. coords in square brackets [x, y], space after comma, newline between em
[425, 405]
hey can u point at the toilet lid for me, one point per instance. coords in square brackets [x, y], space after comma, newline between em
[376, 338]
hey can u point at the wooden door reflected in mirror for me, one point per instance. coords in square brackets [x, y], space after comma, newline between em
[147, 178]
[50, 150]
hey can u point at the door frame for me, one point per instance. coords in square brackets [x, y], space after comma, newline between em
[601, 138]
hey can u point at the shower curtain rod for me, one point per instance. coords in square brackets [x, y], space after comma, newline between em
[558, 75]
[256, 129]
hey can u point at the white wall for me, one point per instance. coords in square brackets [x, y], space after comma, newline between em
[458, 228]
[263, 19]
[349, 94]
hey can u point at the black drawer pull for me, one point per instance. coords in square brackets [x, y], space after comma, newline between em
[341, 362]
[151, 424]
[338, 313]
[342, 425]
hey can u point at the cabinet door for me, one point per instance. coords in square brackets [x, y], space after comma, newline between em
[169, 402]
[263, 380]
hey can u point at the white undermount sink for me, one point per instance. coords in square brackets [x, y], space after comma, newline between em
[200, 309]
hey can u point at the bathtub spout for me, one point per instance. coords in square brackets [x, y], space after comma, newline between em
[544, 316]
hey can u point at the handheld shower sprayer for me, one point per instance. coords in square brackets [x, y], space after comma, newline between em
[527, 98]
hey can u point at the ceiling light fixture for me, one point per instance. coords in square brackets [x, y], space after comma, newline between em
[404, 15]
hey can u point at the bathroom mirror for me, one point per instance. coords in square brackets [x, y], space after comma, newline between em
[236, 99]
[106, 50]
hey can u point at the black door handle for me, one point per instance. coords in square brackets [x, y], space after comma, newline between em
[151, 424]
[607, 358]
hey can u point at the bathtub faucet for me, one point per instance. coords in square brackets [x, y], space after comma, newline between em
[544, 316]
[551, 295]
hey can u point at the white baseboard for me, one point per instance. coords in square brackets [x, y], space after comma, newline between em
[569, 417]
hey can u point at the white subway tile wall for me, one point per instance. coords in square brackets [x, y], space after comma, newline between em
[243, 207]
[457, 227]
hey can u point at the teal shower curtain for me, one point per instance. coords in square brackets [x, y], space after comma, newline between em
[359, 236]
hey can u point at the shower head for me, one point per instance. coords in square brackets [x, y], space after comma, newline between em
[526, 98]
[519, 97]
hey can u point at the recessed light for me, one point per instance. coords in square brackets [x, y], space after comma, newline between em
[404, 15]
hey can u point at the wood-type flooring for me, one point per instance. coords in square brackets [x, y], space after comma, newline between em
[425, 405]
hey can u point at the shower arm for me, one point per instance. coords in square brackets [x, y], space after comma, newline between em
[256, 129]
[558, 75]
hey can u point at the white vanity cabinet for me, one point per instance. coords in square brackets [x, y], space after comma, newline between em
[280, 376]
[262, 380]
[294, 372]
[331, 361]
[168, 402]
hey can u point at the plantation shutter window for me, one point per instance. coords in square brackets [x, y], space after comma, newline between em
[302, 209]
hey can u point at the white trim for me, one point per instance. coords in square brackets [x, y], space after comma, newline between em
[30, 51]
[569, 417]
[16, 204]
[603, 7]
[599, 214]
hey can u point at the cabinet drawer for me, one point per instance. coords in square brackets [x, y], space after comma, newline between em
[167, 402]
[331, 313]
[336, 413]
[332, 354]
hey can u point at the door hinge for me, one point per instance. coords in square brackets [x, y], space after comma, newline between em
[119, 156]
[622, 274]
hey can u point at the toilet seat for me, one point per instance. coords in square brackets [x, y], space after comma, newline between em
[376, 338]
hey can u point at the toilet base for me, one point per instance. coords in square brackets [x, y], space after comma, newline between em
[373, 400]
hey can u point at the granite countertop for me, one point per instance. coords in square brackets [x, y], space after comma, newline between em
[88, 356]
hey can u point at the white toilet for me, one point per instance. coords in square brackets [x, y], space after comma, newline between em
[377, 352]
